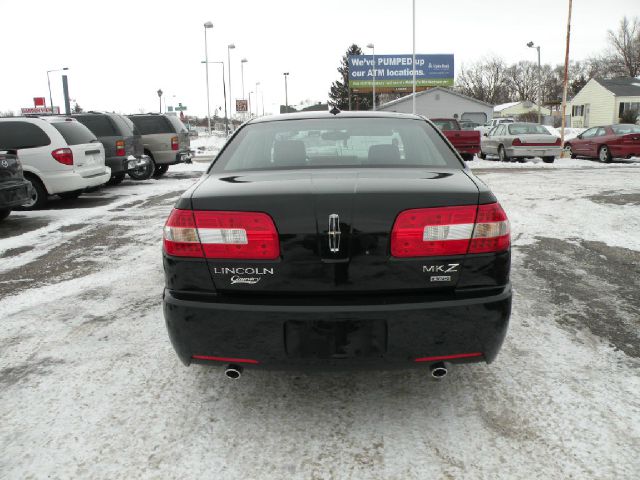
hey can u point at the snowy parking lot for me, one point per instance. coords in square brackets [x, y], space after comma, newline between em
[90, 386]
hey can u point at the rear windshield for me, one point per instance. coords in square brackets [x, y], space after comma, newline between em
[177, 124]
[152, 124]
[334, 142]
[74, 133]
[625, 128]
[445, 125]
[527, 128]
[17, 135]
[130, 124]
[100, 125]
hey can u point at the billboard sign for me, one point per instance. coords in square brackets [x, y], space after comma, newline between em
[39, 110]
[242, 106]
[395, 73]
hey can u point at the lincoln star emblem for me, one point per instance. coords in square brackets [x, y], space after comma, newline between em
[5, 164]
[334, 233]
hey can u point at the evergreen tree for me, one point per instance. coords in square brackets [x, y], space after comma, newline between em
[339, 93]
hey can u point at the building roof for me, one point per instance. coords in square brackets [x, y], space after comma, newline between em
[431, 90]
[504, 106]
[621, 87]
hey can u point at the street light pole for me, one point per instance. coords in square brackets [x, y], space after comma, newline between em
[224, 92]
[531, 45]
[49, 84]
[229, 48]
[413, 62]
[160, 98]
[206, 59]
[257, 104]
[373, 95]
[250, 113]
[286, 92]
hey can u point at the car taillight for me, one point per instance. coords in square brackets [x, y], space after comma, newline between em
[174, 143]
[120, 148]
[215, 234]
[444, 231]
[516, 142]
[63, 155]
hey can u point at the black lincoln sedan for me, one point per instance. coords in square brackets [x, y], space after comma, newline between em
[337, 239]
[14, 189]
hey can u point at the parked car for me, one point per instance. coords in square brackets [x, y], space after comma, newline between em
[493, 123]
[606, 143]
[517, 141]
[59, 156]
[165, 140]
[122, 144]
[385, 253]
[14, 189]
[467, 143]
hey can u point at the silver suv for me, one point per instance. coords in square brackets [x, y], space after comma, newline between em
[165, 140]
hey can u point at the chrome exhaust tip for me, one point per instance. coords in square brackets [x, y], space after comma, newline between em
[439, 370]
[233, 371]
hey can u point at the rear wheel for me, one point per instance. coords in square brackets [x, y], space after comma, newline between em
[116, 179]
[548, 159]
[604, 154]
[160, 170]
[482, 155]
[502, 154]
[142, 173]
[39, 195]
[4, 213]
[70, 195]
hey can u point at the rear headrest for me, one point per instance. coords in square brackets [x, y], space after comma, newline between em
[289, 153]
[386, 153]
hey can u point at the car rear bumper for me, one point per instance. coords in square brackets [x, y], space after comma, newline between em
[306, 335]
[625, 150]
[14, 194]
[172, 157]
[533, 151]
[71, 181]
[468, 149]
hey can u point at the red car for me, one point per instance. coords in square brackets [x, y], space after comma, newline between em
[606, 143]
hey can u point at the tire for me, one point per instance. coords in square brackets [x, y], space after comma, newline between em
[70, 195]
[160, 170]
[604, 154]
[143, 173]
[502, 154]
[39, 197]
[116, 179]
[569, 150]
[482, 156]
[467, 157]
[548, 159]
[4, 213]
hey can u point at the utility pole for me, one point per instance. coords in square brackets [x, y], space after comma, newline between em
[65, 90]
[286, 93]
[566, 78]
[413, 63]
[230, 47]
[206, 60]
[530, 45]
[373, 95]
[160, 98]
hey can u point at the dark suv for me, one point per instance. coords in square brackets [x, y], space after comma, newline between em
[165, 139]
[121, 141]
[14, 189]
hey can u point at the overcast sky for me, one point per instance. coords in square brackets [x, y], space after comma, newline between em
[120, 53]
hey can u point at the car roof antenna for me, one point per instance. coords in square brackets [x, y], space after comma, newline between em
[334, 111]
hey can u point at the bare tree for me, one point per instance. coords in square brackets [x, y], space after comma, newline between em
[486, 80]
[522, 78]
[625, 46]
[7, 113]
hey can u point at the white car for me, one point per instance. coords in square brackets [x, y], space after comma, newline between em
[493, 123]
[59, 156]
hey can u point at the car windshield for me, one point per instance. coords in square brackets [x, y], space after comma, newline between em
[445, 125]
[331, 142]
[526, 129]
[625, 128]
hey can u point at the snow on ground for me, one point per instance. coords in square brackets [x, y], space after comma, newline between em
[91, 388]
[205, 145]
[559, 163]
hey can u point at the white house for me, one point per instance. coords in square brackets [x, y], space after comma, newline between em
[441, 102]
[602, 102]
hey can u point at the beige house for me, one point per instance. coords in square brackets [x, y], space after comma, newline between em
[602, 102]
[513, 109]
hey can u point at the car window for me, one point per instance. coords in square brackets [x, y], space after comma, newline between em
[499, 130]
[600, 132]
[74, 133]
[625, 128]
[100, 125]
[526, 129]
[445, 125]
[17, 135]
[177, 124]
[123, 124]
[130, 124]
[152, 124]
[349, 142]
[589, 133]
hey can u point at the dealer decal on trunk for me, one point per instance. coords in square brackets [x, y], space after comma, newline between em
[244, 275]
[451, 268]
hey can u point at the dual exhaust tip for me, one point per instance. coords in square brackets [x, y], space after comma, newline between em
[438, 371]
